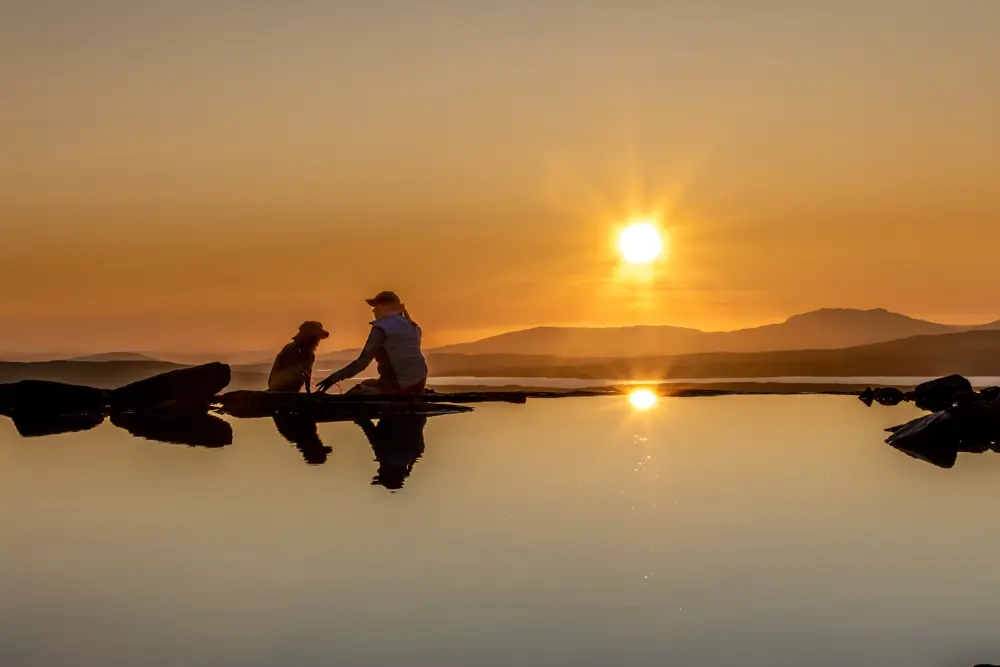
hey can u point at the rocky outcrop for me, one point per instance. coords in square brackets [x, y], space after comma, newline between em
[41, 397]
[170, 407]
[943, 393]
[185, 387]
[933, 396]
[962, 420]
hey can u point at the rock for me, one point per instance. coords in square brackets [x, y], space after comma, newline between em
[192, 387]
[938, 438]
[883, 396]
[41, 397]
[944, 393]
[989, 393]
[888, 396]
[867, 397]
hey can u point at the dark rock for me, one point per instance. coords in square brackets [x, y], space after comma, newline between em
[867, 397]
[883, 396]
[195, 386]
[41, 397]
[989, 393]
[944, 393]
[326, 408]
[938, 438]
[888, 396]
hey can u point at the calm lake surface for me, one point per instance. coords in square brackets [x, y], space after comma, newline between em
[743, 530]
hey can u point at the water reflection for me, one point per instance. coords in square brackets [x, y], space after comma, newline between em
[940, 437]
[642, 399]
[303, 433]
[37, 425]
[194, 429]
[397, 441]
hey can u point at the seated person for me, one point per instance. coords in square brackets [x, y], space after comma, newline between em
[394, 345]
[293, 367]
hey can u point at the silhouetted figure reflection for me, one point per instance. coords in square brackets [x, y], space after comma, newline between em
[302, 432]
[398, 442]
[194, 429]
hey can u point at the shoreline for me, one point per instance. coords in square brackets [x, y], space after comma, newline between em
[689, 389]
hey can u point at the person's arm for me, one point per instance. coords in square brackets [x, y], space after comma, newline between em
[376, 339]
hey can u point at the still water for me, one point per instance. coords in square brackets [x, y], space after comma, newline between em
[744, 530]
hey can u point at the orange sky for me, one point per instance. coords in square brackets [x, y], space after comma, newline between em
[203, 176]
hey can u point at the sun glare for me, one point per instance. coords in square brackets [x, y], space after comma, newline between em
[640, 242]
[642, 399]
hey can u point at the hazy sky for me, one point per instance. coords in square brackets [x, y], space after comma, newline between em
[204, 175]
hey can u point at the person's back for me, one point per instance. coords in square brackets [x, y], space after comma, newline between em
[394, 344]
[400, 360]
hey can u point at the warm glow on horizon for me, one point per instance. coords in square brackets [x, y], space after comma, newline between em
[640, 243]
[642, 399]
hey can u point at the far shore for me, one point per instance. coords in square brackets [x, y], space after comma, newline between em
[688, 389]
[109, 375]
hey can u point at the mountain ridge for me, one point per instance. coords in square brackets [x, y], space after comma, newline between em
[826, 328]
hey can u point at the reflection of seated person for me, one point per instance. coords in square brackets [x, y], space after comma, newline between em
[397, 442]
[304, 435]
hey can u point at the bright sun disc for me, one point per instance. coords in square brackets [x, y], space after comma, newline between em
[640, 243]
[642, 399]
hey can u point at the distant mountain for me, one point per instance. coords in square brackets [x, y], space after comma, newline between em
[821, 329]
[969, 353]
[192, 358]
[115, 356]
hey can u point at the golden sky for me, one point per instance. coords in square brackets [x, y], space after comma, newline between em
[204, 175]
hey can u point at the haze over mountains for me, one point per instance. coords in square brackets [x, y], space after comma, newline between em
[818, 330]
[971, 353]
[825, 329]
[826, 343]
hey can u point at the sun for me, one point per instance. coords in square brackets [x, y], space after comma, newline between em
[640, 242]
[642, 399]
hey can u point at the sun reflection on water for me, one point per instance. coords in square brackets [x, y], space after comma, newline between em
[642, 399]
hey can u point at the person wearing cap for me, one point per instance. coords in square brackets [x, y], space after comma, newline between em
[293, 367]
[394, 345]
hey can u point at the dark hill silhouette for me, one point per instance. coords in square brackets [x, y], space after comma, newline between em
[116, 356]
[821, 329]
[969, 353]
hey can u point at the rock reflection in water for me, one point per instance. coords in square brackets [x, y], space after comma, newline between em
[940, 437]
[35, 425]
[194, 429]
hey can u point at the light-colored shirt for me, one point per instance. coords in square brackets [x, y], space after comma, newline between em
[394, 343]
